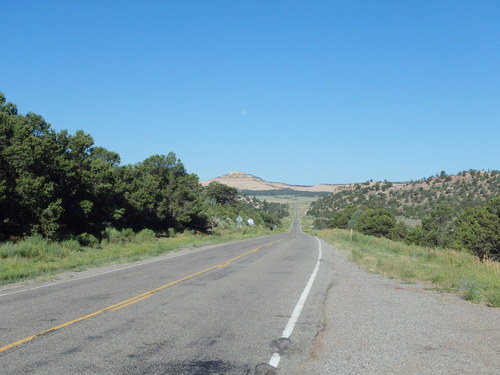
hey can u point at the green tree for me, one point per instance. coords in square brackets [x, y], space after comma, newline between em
[163, 195]
[49, 219]
[399, 231]
[493, 206]
[353, 221]
[438, 226]
[417, 236]
[376, 222]
[341, 218]
[60, 185]
[222, 193]
[478, 230]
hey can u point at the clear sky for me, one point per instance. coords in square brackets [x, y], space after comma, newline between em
[302, 92]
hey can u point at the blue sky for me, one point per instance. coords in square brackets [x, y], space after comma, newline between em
[301, 92]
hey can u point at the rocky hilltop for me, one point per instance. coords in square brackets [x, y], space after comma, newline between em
[244, 181]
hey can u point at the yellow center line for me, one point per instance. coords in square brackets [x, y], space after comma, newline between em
[129, 301]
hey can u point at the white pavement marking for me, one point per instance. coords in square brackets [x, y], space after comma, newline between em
[97, 274]
[275, 359]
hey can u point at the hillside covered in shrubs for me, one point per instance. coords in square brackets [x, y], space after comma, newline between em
[61, 186]
[415, 199]
[461, 211]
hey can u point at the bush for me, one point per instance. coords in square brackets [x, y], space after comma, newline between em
[438, 226]
[87, 240]
[399, 231]
[342, 219]
[321, 223]
[127, 234]
[376, 222]
[417, 236]
[478, 230]
[145, 235]
[113, 235]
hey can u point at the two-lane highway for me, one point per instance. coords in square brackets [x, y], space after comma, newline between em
[236, 308]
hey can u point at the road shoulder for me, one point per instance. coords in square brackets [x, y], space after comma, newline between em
[374, 325]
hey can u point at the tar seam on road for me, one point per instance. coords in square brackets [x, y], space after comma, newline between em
[129, 301]
[276, 357]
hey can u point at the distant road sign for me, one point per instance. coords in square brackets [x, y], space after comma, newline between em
[239, 219]
[250, 222]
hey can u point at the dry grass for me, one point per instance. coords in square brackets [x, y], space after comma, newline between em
[443, 269]
[36, 256]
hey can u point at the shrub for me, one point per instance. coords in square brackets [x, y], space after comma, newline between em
[321, 223]
[399, 231]
[376, 222]
[478, 230]
[127, 234]
[113, 235]
[417, 236]
[171, 232]
[145, 235]
[87, 240]
[49, 218]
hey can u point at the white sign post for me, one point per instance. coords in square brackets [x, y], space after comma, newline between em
[250, 222]
[239, 219]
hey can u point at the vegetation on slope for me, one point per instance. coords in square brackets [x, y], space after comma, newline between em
[474, 229]
[62, 187]
[461, 212]
[68, 204]
[417, 198]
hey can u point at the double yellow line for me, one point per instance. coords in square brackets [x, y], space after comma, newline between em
[128, 302]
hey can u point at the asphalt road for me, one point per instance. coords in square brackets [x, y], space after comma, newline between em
[218, 310]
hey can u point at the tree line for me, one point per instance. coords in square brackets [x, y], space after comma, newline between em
[61, 185]
[475, 229]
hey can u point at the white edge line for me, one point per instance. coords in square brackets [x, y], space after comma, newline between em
[98, 274]
[165, 257]
[275, 359]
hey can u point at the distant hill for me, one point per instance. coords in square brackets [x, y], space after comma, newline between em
[416, 198]
[249, 183]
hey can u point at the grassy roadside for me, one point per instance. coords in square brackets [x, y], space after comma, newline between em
[444, 269]
[36, 257]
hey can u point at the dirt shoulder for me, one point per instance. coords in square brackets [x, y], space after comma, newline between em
[374, 325]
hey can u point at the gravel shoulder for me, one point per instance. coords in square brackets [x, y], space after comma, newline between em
[374, 325]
